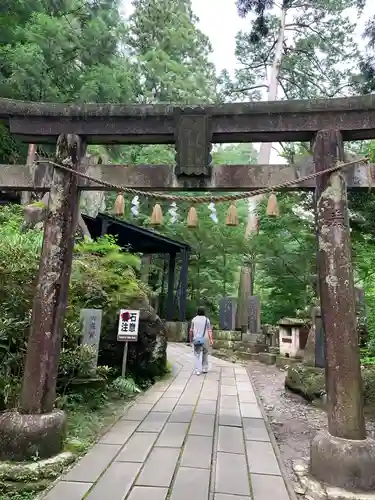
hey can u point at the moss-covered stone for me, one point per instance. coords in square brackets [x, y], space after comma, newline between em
[7, 487]
[26, 437]
[36, 470]
[22, 477]
[227, 335]
[267, 358]
[307, 381]
[147, 358]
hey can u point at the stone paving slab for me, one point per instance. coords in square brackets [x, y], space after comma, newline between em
[93, 464]
[186, 437]
[154, 422]
[159, 467]
[247, 397]
[228, 381]
[182, 414]
[173, 435]
[202, 425]
[138, 411]
[230, 416]
[197, 452]
[231, 440]
[148, 493]
[268, 487]
[250, 410]
[255, 429]
[262, 459]
[191, 483]
[120, 432]
[116, 482]
[231, 474]
[152, 397]
[71, 491]
[138, 447]
[206, 406]
[165, 404]
[221, 496]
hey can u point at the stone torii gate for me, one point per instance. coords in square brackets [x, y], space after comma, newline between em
[344, 456]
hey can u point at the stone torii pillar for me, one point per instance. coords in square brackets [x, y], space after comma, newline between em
[37, 428]
[343, 456]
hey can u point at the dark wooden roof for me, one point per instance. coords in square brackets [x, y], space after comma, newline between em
[136, 238]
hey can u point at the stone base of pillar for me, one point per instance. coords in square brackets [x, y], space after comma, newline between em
[24, 437]
[343, 463]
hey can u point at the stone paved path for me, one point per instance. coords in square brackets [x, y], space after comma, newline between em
[190, 437]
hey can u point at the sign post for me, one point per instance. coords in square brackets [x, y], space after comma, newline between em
[128, 327]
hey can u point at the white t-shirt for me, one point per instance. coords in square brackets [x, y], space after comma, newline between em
[198, 326]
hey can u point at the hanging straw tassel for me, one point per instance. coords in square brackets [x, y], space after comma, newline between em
[272, 206]
[119, 206]
[232, 216]
[156, 216]
[192, 218]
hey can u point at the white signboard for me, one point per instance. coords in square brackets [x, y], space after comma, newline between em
[128, 326]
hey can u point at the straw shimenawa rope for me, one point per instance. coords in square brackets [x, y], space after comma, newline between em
[205, 198]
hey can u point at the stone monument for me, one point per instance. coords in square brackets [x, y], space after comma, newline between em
[91, 321]
[227, 314]
[253, 323]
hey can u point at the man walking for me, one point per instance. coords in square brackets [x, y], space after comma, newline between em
[201, 336]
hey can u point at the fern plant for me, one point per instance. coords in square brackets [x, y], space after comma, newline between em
[125, 387]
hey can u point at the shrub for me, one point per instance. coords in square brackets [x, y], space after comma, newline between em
[103, 276]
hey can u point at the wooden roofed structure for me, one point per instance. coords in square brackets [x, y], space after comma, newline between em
[140, 240]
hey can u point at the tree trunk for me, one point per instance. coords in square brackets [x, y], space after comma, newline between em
[247, 273]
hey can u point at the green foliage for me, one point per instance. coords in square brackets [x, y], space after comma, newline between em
[102, 276]
[123, 386]
[285, 268]
[217, 253]
[318, 57]
[159, 54]
[85, 71]
[171, 53]
[18, 267]
[366, 78]
[234, 154]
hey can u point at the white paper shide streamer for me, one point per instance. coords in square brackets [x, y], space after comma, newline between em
[213, 215]
[135, 205]
[173, 212]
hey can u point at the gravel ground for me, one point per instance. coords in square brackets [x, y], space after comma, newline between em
[293, 421]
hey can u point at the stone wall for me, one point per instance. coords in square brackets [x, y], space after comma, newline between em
[237, 343]
[176, 331]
